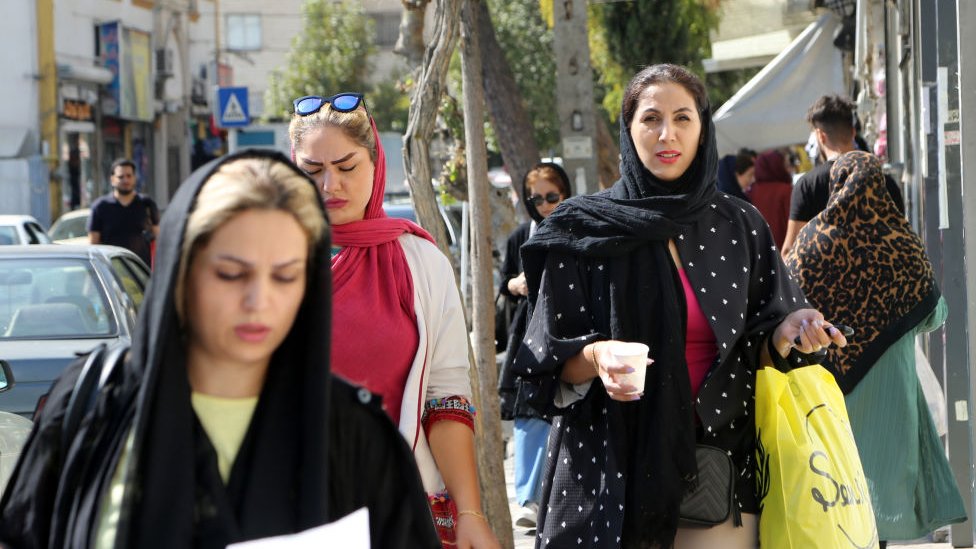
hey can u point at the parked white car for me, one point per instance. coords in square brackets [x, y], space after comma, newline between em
[71, 227]
[21, 229]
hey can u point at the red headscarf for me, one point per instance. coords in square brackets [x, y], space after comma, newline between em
[374, 324]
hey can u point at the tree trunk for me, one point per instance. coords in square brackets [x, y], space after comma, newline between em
[410, 42]
[608, 155]
[506, 108]
[489, 435]
[423, 114]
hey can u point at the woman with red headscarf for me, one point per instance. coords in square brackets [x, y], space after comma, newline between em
[398, 327]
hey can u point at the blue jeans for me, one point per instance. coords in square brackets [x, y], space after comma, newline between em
[531, 436]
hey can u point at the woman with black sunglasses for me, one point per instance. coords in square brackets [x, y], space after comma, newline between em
[543, 188]
[661, 258]
[398, 325]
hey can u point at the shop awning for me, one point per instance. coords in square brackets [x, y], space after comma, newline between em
[770, 110]
[15, 142]
[748, 51]
[84, 73]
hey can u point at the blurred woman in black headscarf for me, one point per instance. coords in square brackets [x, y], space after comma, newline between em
[544, 187]
[736, 173]
[223, 424]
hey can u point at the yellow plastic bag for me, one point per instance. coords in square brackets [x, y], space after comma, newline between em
[811, 486]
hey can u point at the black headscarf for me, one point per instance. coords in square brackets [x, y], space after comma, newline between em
[279, 478]
[174, 496]
[727, 181]
[636, 218]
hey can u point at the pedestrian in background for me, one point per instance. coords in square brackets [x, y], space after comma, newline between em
[223, 424]
[833, 120]
[861, 264]
[544, 187]
[770, 194]
[398, 327]
[125, 217]
[737, 173]
[664, 259]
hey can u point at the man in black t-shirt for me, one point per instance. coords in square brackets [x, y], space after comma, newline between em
[832, 118]
[124, 218]
[812, 190]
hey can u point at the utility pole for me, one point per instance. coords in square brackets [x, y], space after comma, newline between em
[957, 126]
[947, 231]
[48, 104]
[574, 89]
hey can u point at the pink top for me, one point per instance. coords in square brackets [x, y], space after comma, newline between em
[700, 347]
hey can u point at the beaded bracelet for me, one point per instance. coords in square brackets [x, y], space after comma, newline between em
[472, 513]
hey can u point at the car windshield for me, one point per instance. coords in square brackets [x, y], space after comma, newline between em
[8, 235]
[43, 298]
[72, 227]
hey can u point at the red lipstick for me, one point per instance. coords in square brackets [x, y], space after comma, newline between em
[668, 157]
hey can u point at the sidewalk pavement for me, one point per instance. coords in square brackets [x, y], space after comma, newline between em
[525, 538]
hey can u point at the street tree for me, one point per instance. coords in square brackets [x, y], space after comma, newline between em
[410, 42]
[429, 88]
[331, 53]
[485, 379]
[681, 35]
[516, 40]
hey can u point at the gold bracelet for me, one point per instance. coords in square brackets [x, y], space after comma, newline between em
[472, 513]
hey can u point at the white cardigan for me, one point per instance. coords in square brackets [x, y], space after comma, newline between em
[441, 367]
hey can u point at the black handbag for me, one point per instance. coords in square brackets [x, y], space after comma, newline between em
[709, 501]
[503, 319]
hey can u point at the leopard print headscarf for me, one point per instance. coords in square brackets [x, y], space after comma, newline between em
[860, 264]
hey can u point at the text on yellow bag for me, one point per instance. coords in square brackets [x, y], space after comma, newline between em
[811, 486]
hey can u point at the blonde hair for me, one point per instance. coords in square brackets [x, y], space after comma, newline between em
[241, 185]
[355, 124]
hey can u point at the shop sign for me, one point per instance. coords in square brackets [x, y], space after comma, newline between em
[73, 109]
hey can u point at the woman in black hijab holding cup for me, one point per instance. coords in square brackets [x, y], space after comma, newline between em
[663, 259]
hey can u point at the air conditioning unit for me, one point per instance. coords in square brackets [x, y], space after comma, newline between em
[164, 63]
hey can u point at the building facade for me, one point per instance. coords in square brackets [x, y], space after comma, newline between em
[752, 32]
[89, 81]
[23, 172]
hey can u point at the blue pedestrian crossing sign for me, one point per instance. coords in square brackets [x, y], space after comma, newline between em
[232, 111]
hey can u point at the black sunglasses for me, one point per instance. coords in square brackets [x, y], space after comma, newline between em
[341, 102]
[552, 198]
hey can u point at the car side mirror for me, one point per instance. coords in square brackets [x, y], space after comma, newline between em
[6, 377]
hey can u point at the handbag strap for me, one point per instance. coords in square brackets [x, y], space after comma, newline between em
[95, 374]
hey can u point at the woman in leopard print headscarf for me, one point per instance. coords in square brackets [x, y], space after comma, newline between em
[860, 263]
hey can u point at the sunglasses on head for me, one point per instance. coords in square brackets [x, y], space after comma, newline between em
[552, 198]
[341, 102]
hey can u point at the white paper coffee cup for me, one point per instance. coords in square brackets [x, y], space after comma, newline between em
[635, 356]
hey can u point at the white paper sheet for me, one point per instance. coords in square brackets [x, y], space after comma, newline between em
[349, 532]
